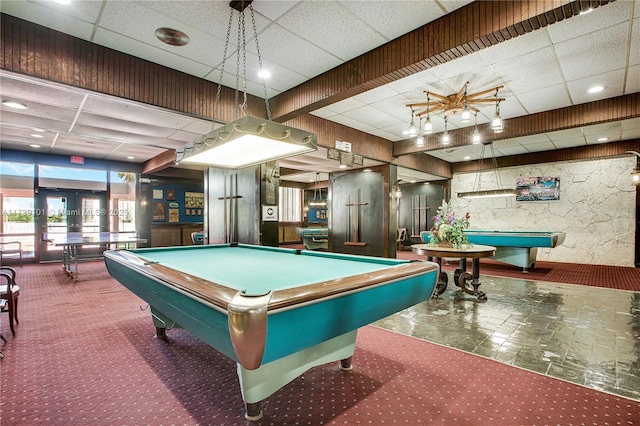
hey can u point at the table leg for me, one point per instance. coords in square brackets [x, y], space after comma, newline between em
[443, 280]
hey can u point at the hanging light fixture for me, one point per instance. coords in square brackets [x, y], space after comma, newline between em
[248, 140]
[460, 103]
[496, 123]
[445, 136]
[420, 138]
[476, 138]
[317, 200]
[428, 126]
[478, 192]
[411, 131]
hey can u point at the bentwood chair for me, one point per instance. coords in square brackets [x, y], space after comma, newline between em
[10, 249]
[9, 292]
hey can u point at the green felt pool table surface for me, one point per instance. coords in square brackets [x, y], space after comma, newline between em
[256, 270]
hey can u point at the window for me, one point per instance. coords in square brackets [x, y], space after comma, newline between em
[290, 204]
[17, 203]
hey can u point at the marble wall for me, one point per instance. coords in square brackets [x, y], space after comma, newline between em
[596, 208]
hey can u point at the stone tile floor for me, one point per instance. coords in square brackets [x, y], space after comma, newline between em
[585, 335]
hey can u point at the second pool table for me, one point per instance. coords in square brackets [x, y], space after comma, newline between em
[276, 312]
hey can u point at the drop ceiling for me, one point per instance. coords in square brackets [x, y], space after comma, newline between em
[546, 69]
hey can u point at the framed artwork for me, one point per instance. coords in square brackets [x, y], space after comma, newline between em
[541, 188]
[171, 194]
[194, 200]
[158, 194]
[174, 215]
[159, 212]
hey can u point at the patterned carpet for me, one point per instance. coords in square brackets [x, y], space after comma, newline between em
[84, 354]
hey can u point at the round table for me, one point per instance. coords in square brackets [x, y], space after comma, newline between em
[461, 276]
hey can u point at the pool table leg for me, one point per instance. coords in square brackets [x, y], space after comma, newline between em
[161, 333]
[253, 411]
[345, 364]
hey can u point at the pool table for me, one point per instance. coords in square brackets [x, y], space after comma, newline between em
[314, 238]
[519, 248]
[276, 312]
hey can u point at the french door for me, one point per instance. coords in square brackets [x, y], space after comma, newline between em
[70, 211]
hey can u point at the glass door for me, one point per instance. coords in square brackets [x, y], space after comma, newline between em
[67, 212]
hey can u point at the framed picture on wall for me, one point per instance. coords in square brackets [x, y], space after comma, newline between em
[171, 194]
[194, 200]
[159, 212]
[540, 188]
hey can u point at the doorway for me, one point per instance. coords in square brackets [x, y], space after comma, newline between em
[70, 211]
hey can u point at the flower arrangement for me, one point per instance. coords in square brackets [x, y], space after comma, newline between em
[448, 229]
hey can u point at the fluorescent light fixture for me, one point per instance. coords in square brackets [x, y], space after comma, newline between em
[33, 145]
[14, 104]
[247, 142]
[35, 135]
[491, 193]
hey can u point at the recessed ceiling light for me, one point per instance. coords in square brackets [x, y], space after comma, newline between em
[466, 157]
[33, 145]
[603, 139]
[264, 74]
[35, 135]
[36, 129]
[131, 157]
[596, 89]
[14, 104]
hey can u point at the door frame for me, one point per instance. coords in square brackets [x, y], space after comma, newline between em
[73, 210]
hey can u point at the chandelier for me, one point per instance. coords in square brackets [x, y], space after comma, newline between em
[247, 141]
[460, 103]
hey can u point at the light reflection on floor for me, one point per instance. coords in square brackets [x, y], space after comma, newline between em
[585, 335]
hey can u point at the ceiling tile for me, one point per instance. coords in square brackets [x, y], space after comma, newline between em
[76, 20]
[595, 53]
[612, 81]
[412, 14]
[332, 27]
[544, 99]
[569, 143]
[601, 17]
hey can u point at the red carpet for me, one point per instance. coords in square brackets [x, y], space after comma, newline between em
[84, 354]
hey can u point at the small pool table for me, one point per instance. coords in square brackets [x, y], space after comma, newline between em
[519, 248]
[276, 312]
[314, 238]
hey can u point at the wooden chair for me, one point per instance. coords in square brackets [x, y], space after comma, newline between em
[10, 249]
[9, 292]
[401, 238]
